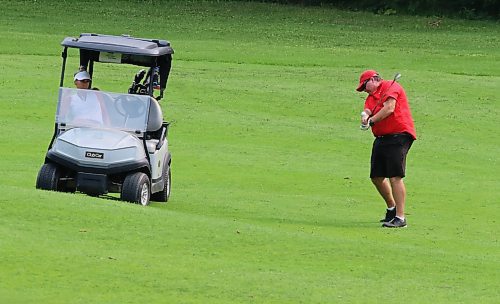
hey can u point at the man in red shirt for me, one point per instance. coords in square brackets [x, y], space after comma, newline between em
[387, 112]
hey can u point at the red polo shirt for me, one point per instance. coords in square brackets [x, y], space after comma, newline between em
[400, 120]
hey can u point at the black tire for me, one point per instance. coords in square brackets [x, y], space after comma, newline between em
[136, 189]
[48, 177]
[164, 194]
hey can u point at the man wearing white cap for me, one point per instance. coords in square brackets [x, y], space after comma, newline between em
[85, 107]
[82, 80]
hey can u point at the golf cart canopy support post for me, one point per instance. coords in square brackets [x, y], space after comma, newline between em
[91, 72]
[64, 55]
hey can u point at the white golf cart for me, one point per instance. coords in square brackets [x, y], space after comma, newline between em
[110, 142]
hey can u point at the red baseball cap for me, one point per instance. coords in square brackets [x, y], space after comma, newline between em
[364, 77]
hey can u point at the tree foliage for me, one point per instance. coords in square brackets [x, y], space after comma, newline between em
[470, 9]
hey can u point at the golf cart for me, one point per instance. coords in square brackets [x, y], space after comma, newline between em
[121, 146]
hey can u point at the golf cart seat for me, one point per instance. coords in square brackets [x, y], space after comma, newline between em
[155, 119]
[155, 123]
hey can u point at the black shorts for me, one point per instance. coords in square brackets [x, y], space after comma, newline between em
[389, 155]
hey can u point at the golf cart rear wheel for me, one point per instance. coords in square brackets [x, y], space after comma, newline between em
[136, 189]
[164, 194]
[48, 177]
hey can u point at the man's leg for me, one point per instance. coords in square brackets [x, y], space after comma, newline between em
[384, 188]
[399, 193]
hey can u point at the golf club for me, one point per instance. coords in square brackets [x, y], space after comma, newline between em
[397, 76]
[139, 76]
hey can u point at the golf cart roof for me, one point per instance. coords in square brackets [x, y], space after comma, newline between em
[119, 44]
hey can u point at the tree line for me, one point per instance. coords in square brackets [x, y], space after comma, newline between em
[469, 9]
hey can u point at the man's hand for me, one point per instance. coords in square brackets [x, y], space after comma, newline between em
[364, 121]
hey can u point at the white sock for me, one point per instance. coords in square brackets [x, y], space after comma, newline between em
[401, 217]
[391, 208]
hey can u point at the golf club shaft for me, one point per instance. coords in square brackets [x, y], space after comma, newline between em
[396, 77]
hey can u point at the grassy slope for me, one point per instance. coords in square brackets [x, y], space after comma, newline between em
[270, 200]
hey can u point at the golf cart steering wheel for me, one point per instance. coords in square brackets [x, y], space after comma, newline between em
[128, 106]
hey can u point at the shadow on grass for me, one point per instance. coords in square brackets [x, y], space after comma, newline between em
[152, 204]
[308, 224]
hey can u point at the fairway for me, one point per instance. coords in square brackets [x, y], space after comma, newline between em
[271, 199]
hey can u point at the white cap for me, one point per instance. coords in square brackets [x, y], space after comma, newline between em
[82, 76]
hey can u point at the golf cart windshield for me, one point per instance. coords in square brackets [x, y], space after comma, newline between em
[96, 109]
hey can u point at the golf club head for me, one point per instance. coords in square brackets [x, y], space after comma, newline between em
[397, 76]
[139, 76]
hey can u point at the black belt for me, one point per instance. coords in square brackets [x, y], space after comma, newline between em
[394, 135]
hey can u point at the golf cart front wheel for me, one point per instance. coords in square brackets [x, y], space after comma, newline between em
[136, 189]
[48, 177]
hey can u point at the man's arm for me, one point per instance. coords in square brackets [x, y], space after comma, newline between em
[388, 109]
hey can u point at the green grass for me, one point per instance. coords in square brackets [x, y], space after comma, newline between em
[271, 202]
